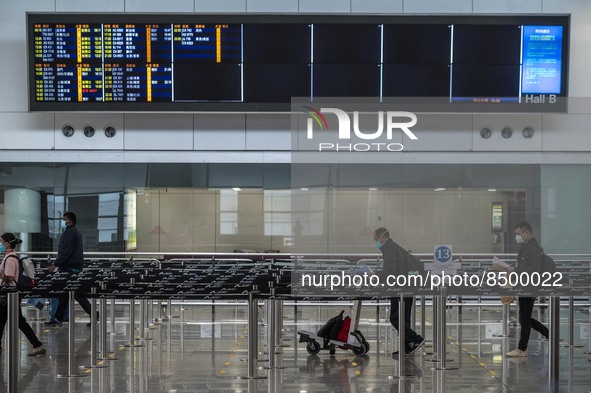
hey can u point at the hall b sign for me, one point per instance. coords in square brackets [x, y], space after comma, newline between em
[387, 123]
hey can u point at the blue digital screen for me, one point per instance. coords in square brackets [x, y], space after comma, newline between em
[542, 60]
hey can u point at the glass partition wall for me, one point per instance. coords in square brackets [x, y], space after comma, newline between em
[255, 207]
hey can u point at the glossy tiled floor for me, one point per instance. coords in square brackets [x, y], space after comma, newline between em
[198, 355]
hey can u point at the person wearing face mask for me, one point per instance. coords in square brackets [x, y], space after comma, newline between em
[70, 258]
[529, 260]
[9, 270]
[395, 264]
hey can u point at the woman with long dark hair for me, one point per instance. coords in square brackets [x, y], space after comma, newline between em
[9, 271]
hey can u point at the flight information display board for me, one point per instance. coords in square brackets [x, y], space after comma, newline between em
[120, 62]
[542, 59]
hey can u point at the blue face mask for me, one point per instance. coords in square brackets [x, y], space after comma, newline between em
[63, 224]
[378, 243]
[2, 248]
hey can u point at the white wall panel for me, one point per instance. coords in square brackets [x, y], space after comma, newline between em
[441, 133]
[220, 132]
[331, 6]
[158, 132]
[159, 5]
[26, 131]
[272, 6]
[567, 133]
[13, 76]
[13, 63]
[580, 42]
[268, 132]
[437, 6]
[220, 6]
[89, 6]
[79, 141]
[12, 14]
[517, 122]
[376, 6]
[580, 105]
[507, 6]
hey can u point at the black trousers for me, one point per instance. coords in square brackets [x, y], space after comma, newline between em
[63, 304]
[409, 334]
[526, 306]
[23, 325]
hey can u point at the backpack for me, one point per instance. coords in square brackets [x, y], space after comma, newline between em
[413, 263]
[331, 328]
[548, 264]
[26, 274]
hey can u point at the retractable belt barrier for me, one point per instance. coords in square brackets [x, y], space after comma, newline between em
[204, 279]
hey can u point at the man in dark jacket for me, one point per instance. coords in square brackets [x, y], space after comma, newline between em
[529, 260]
[70, 258]
[395, 263]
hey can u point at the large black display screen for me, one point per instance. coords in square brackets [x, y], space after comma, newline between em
[131, 62]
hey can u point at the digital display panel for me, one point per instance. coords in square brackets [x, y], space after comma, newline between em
[490, 44]
[133, 62]
[417, 44]
[347, 44]
[500, 85]
[542, 59]
[415, 80]
[497, 216]
[346, 80]
[273, 43]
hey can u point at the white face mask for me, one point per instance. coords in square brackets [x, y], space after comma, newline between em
[518, 239]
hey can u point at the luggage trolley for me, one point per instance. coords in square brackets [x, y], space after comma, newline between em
[355, 342]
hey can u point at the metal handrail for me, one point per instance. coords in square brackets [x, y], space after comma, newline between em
[423, 256]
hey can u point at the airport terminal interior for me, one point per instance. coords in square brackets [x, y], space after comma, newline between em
[216, 153]
[203, 348]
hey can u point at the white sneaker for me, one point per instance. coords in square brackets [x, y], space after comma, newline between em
[516, 353]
